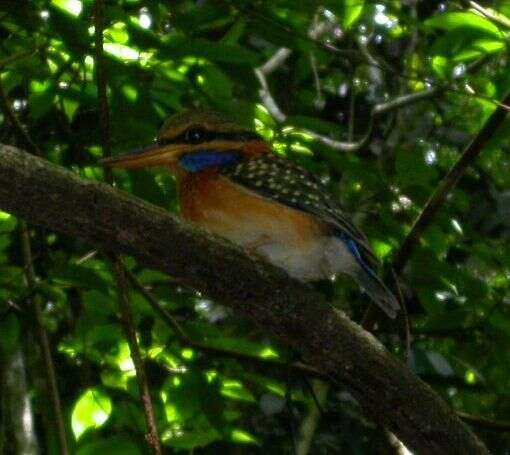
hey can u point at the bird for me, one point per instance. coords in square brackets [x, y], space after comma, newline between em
[231, 183]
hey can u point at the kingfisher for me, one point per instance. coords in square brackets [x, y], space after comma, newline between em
[231, 183]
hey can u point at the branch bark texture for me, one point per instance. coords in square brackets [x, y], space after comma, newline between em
[388, 391]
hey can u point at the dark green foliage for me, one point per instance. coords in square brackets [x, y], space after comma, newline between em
[164, 57]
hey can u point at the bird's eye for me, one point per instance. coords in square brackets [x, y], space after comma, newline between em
[195, 135]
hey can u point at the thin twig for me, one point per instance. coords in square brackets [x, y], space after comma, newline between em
[102, 84]
[308, 427]
[44, 342]
[377, 110]
[281, 55]
[262, 72]
[482, 422]
[15, 57]
[406, 323]
[493, 16]
[184, 338]
[448, 182]
[275, 62]
[141, 376]
[352, 110]
[128, 325]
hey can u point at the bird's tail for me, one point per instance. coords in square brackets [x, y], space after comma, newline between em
[377, 291]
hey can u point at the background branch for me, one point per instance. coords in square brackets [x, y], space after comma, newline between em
[388, 391]
[44, 342]
[270, 363]
[279, 58]
[128, 324]
[448, 182]
[36, 300]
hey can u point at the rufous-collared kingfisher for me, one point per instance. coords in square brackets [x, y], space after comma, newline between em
[231, 183]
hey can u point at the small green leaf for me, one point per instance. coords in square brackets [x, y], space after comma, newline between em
[72, 7]
[412, 170]
[90, 411]
[243, 437]
[440, 65]
[479, 48]
[213, 51]
[352, 11]
[466, 20]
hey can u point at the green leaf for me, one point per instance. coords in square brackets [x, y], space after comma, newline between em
[180, 47]
[91, 411]
[236, 390]
[441, 65]
[215, 82]
[40, 100]
[72, 7]
[243, 437]
[190, 438]
[81, 276]
[479, 48]
[117, 445]
[352, 12]
[413, 170]
[463, 20]
[7, 222]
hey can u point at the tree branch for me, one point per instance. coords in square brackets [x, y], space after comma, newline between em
[388, 391]
[271, 105]
[487, 424]
[280, 57]
[494, 16]
[44, 342]
[448, 182]
[128, 324]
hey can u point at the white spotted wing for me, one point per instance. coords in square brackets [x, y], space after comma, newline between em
[287, 183]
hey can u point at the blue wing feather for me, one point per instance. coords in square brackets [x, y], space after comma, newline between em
[352, 246]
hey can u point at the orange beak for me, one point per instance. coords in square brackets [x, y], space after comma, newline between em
[153, 155]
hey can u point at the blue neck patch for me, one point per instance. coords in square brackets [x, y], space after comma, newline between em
[200, 160]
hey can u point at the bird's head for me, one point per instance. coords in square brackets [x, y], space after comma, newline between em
[193, 141]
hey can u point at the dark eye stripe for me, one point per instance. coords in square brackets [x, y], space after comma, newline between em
[209, 136]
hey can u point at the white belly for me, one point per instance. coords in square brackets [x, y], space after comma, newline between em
[318, 259]
[322, 259]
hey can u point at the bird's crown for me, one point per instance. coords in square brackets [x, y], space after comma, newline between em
[196, 126]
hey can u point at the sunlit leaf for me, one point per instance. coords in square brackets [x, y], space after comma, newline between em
[352, 10]
[72, 7]
[464, 20]
[91, 411]
[479, 48]
[243, 437]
